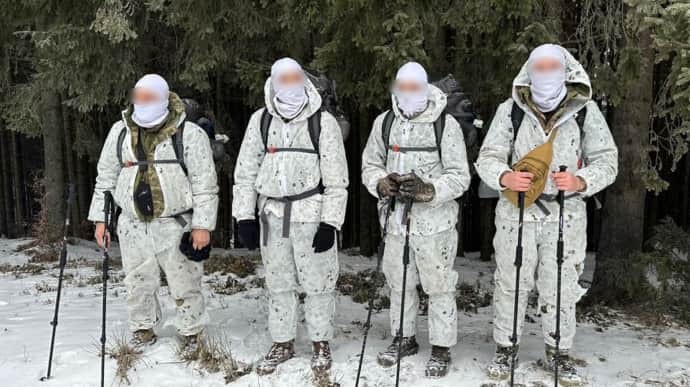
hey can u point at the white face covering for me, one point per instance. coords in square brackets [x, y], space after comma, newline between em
[412, 103]
[548, 87]
[152, 114]
[289, 100]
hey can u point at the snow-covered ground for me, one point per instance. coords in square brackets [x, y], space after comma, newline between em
[624, 354]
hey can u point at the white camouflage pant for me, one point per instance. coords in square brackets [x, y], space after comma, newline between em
[291, 263]
[146, 248]
[539, 259]
[431, 263]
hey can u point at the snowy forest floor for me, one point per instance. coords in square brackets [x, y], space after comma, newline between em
[612, 348]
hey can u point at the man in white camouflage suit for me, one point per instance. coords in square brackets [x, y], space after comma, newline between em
[292, 166]
[552, 93]
[408, 157]
[161, 198]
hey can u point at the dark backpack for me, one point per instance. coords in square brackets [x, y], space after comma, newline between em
[329, 102]
[458, 106]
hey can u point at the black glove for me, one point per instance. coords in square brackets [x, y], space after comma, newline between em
[412, 186]
[248, 232]
[388, 186]
[188, 250]
[324, 238]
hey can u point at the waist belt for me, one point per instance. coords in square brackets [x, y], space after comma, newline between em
[551, 198]
[287, 211]
[179, 218]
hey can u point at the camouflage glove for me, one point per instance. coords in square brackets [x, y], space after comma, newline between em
[412, 186]
[388, 186]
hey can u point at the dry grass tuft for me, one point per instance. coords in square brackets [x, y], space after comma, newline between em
[214, 355]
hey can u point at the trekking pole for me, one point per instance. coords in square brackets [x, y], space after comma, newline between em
[406, 261]
[518, 266]
[62, 263]
[108, 210]
[559, 263]
[372, 291]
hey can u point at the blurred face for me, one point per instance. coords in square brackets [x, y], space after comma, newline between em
[291, 78]
[142, 96]
[546, 65]
[405, 86]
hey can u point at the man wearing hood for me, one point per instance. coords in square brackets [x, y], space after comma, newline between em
[292, 166]
[409, 162]
[554, 93]
[161, 199]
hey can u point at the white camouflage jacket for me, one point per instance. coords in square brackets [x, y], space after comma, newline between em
[592, 154]
[198, 191]
[449, 173]
[259, 174]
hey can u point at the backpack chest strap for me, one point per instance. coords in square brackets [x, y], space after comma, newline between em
[273, 149]
[406, 149]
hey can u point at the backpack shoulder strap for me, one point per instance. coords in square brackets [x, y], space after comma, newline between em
[314, 126]
[386, 128]
[120, 143]
[178, 146]
[266, 119]
[516, 117]
[581, 117]
[439, 128]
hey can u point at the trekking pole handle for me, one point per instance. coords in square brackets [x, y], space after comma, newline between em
[562, 168]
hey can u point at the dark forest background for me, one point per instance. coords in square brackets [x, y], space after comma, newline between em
[66, 68]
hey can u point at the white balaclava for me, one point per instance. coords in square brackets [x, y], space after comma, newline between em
[412, 103]
[548, 87]
[152, 114]
[289, 100]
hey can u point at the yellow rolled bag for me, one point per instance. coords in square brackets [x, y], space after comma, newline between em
[537, 162]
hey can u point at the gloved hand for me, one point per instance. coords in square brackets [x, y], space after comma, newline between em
[388, 186]
[324, 238]
[248, 232]
[412, 186]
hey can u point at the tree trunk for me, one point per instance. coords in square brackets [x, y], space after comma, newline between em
[3, 199]
[53, 210]
[623, 222]
[19, 186]
[6, 175]
[70, 164]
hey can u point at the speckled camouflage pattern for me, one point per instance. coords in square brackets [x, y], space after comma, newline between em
[594, 157]
[148, 247]
[291, 263]
[259, 174]
[539, 260]
[450, 176]
[198, 191]
[431, 264]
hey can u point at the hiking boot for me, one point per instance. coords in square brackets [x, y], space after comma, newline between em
[500, 366]
[321, 360]
[389, 357]
[189, 347]
[143, 338]
[437, 366]
[279, 353]
[567, 373]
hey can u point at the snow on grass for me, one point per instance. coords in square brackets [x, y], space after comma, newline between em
[623, 354]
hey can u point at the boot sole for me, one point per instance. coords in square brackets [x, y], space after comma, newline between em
[387, 364]
[262, 372]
